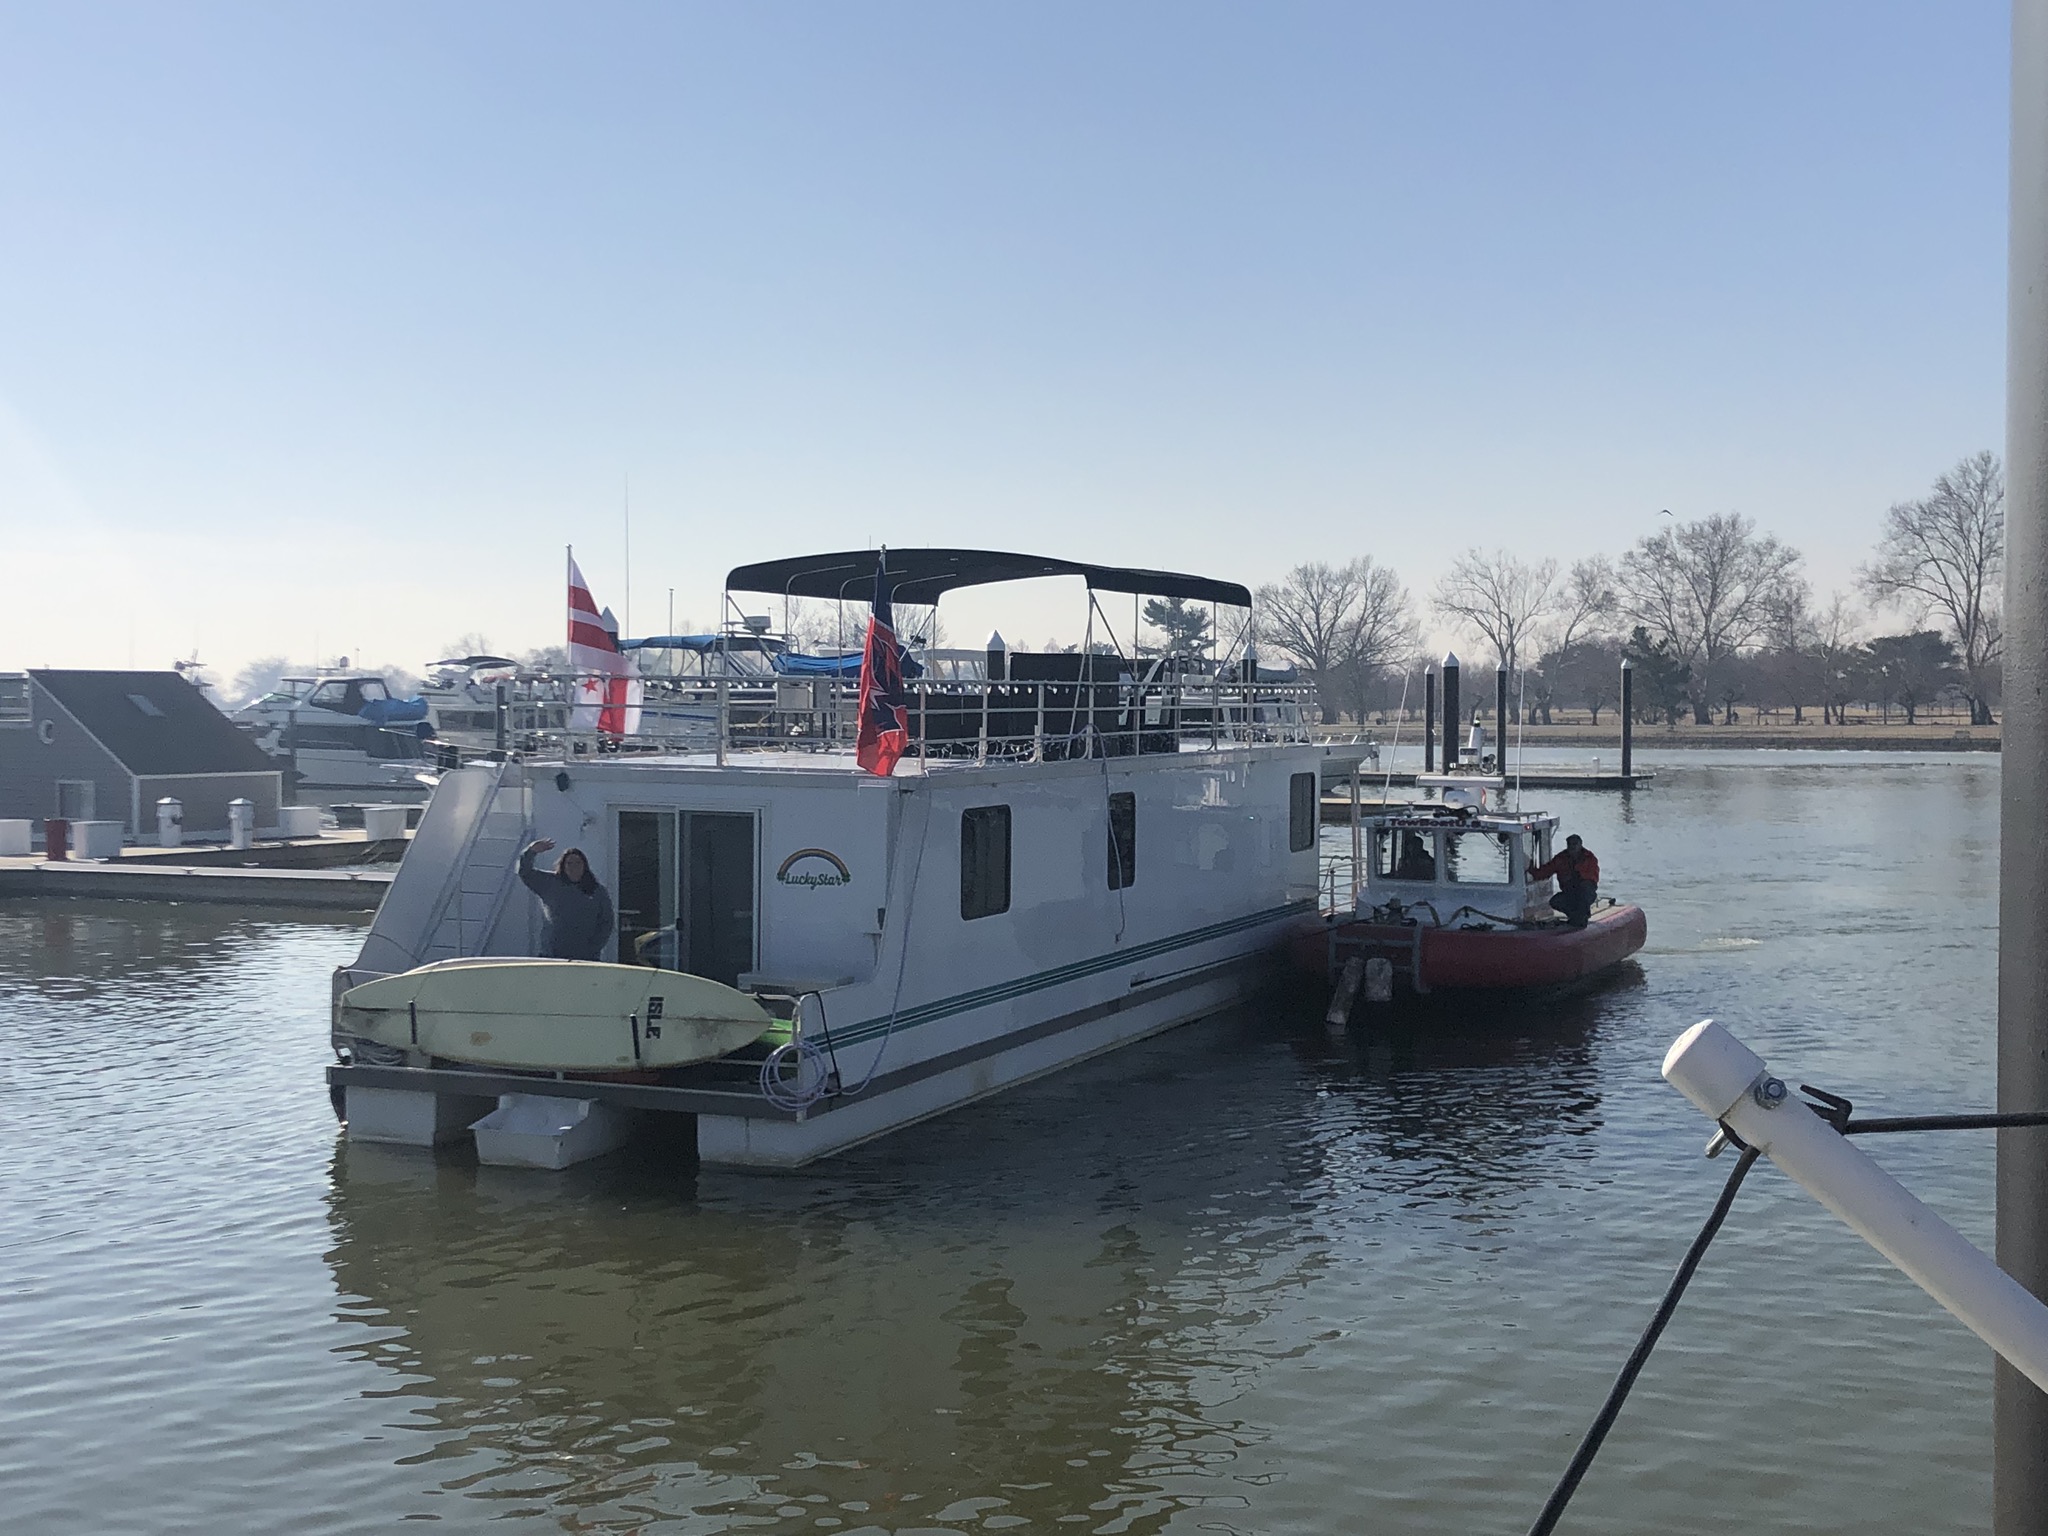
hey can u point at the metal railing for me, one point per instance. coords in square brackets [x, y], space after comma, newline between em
[949, 719]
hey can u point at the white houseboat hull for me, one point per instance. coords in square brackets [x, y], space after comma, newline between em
[921, 981]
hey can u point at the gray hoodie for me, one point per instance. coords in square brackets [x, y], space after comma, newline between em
[579, 915]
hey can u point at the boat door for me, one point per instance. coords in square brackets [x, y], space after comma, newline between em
[687, 898]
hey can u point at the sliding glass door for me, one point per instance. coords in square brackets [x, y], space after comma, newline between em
[686, 892]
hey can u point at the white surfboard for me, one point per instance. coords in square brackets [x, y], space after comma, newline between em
[554, 1015]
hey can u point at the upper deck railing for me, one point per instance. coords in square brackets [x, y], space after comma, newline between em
[1093, 710]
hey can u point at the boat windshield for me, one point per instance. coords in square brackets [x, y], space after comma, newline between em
[1477, 857]
[1403, 854]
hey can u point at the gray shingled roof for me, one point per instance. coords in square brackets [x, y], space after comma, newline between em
[155, 722]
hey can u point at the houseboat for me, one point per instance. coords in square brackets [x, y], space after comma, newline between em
[1073, 851]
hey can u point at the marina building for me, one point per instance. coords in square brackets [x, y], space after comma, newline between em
[106, 746]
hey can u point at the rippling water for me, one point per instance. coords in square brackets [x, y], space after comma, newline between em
[1240, 1278]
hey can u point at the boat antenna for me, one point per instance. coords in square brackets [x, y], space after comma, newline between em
[1386, 794]
[628, 625]
[1387, 790]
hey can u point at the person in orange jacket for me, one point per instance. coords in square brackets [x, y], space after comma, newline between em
[1578, 880]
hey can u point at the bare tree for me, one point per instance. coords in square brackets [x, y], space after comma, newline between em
[1707, 589]
[1499, 597]
[1380, 635]
[1786, 672]
[1307, 613]
[475, 643]
[1835, 642]
[259, 677]
[1583, 607]
[1944, 555]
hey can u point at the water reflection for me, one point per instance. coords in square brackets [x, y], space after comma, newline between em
[1241, 1277]
[76, 949]
[1042, 1312]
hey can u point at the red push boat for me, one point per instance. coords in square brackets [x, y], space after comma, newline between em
[1424, 957]
[1441, 902]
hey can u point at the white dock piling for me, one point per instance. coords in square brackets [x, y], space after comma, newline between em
[1729, 1082]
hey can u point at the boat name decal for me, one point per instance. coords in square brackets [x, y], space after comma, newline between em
[819, 868]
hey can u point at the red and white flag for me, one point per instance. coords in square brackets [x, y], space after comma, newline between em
[607, 696]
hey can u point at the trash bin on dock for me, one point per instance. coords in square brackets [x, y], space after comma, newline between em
[241, 823]
[56, 838]
[170, 822]
[537, 1130]
[382, 822]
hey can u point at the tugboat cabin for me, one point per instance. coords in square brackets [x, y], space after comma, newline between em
[1461, 864]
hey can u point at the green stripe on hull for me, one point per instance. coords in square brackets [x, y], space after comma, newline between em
[963, 1002]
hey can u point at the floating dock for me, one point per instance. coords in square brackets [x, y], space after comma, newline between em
[350, 890]
[291, 872]
[1372, 787]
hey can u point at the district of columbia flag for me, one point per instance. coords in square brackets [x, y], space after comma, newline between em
[607, 695]
[884, 734]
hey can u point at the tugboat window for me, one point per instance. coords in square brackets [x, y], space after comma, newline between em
[1403, 855]
[1123, 840]
[984, 861]
[1476, 858]
[1301, 812]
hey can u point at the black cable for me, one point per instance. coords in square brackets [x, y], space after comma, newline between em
[1610, 1410]
[1875, 1125]
[1839, 1112]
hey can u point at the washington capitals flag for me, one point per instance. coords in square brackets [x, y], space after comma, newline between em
[884, 707]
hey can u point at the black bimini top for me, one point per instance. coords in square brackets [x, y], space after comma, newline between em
[923, 575]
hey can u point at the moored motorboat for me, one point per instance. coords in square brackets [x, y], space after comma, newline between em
[1443, 901]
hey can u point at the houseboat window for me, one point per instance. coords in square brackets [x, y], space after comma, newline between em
[984, 861]
[14, 708]
[1123, 840]
[1400, 855]
[1477, 858]
[1301, 812]
[74, 799]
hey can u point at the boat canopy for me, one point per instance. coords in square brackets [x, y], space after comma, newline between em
[792, 665]
[702, 644]
[474, 661]
[923, 575]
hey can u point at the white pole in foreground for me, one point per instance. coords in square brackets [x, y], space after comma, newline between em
[1729, 1082]
[2019, 1414]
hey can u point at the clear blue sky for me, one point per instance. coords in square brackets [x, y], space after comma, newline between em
[330, 325]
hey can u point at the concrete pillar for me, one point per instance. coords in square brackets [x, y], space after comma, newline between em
[2019, 1480]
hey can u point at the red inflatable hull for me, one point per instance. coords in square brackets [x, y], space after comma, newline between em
[1461, 959]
